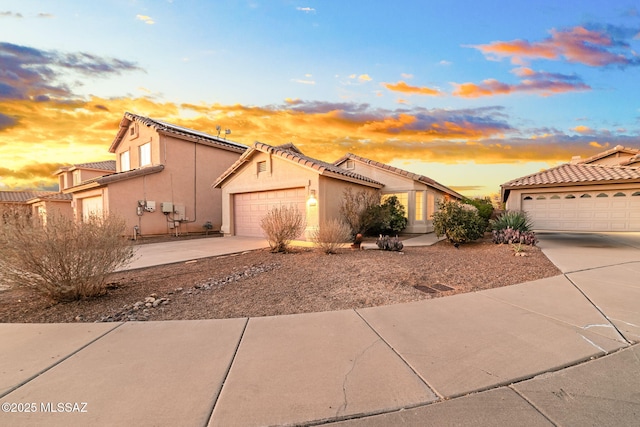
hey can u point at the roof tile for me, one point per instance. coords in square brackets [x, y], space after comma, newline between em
[569, 173]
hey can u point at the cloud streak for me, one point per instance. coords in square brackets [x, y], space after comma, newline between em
[541, 83]
[598, 47]
[29, 73]
[403, 87]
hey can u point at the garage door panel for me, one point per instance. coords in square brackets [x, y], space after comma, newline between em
[250, 208]
[588, 211]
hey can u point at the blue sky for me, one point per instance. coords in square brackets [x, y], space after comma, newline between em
[470, 93]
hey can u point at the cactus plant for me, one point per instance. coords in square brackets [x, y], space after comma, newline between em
[387, 243]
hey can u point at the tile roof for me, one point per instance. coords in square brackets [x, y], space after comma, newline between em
[616, 149]
[21, 196]
[55, 196]
[114, 177]
[292, 153]
[416, 177]
[105, 165]
[164, 127]
[578, 173]
[630, 161]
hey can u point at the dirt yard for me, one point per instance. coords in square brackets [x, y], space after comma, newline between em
[260, 283]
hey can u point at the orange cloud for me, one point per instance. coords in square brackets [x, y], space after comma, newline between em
[582, 129]
[578, 44]
[411, 90]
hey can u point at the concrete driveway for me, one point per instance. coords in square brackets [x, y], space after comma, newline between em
[572, 252]
[169, 252]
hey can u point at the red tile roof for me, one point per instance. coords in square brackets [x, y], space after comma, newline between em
[168, 128]
[616, 149]
[416, 177]
[21, 196]
[292, 153]
[577, 174]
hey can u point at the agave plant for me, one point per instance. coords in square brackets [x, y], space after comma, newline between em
[516, 220]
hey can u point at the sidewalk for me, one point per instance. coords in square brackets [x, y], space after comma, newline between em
[557, 351]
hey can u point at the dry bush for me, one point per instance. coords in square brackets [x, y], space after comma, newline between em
[357, 209]
[63, 260]
[331, 235]
[281, 225]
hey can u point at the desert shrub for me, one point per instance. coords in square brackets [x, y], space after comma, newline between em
[281, 225]
[510, 236]
[516, 220]
[460, 223]
[358, 209]
[62, 260]
[387, 243]
[331, 235]
[485, 209]
[387, 218]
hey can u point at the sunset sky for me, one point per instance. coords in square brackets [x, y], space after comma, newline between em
[469, 93]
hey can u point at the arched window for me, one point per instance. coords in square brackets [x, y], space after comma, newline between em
[602, 195]
[637, 193]
[541, 198]
[569, 196]
[585, 196]
[555, 196]
[619, 194]
[528, 198]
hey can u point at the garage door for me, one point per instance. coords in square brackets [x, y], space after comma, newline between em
[584, 211]
[250, 208]
[91, 206]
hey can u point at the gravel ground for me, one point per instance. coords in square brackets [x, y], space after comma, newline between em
[259, 283]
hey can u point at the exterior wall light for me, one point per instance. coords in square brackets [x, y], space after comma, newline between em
[312, 198]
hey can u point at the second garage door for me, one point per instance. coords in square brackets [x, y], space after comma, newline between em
[584, 211]
[250, 208]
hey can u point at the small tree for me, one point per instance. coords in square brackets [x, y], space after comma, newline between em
[389, 217]
[331, 235]
[62, 260]
[485, 209]
[458, 222]
[281, 225]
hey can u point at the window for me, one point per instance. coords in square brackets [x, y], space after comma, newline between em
[528, 198]
[133, 130]
[125, 165]
[261, 166]
[541, 198]
[555, 196]
[145, 154]
[602, 195]
[619, 194]
[637, 193]
[76, 177]
[419, 206]
[350, 164]
[585, 196]
[403, 198]
[569, 196]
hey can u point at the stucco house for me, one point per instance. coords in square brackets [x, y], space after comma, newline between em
[161, 180]
[417, 193]
[600, 193]
[36, 202]
[266, 176]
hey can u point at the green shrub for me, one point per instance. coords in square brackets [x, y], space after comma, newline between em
[485, 209]
[331, 235]
[516, 220]
[281, 225]
[460, 223]
[389, 217]
[59, 258]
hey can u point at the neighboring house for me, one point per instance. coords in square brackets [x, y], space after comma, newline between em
[49, 204]
[600, 193]
[417, 193]
[20, 199]
[70, 176]
[266, 176]
[161, 179]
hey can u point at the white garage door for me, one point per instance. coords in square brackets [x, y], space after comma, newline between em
[250, 208]
[91, 206]
[584, 211]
